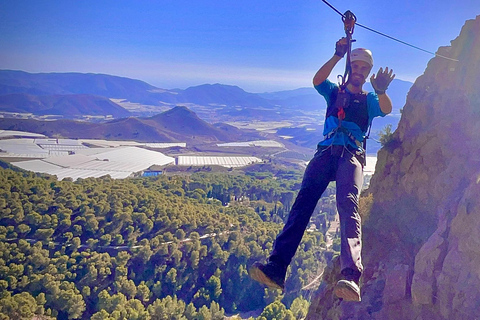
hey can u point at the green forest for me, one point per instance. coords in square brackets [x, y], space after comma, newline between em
[166, 247]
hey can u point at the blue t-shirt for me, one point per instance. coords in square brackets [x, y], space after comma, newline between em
[326, 89]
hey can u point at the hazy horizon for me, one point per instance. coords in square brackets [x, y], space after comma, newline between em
[200, 84]
[260, 46]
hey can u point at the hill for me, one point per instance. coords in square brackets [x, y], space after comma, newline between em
[176, 125]
[78, 83]
[219, 94]
[71, 105]
[180, 122]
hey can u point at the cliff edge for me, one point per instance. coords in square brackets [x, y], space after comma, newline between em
[422, 235]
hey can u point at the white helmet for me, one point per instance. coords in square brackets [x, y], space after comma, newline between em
[361, 54]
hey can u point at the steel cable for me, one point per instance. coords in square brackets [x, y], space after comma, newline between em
[389, 37]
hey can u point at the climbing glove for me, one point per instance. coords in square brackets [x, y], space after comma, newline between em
[381, 80]
[341, 47]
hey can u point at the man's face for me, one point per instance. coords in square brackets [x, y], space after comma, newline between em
[360, 72]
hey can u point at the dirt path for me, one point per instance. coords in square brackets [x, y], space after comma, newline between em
[334, 225]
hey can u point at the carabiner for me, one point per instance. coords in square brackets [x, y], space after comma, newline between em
[349, 20]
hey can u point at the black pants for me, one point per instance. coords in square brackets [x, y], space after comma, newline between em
[334, 163]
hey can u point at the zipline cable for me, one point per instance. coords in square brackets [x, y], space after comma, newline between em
[405, 43]
[389, 37]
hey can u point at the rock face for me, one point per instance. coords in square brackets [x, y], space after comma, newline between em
[422, 235]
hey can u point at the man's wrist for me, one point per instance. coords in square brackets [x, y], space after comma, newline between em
[379, 92]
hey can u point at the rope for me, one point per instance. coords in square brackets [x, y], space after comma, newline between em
[389, 37]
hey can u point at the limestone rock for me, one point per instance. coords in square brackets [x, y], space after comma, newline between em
[396, 284]
[422, 236]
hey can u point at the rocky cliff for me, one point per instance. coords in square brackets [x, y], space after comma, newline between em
[422, 234]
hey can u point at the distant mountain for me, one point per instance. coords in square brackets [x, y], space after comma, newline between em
[124, 88]
[72, 105]
[306, 99]
[180, 122]
[80, 83]
[220, 94]
[176, 125]
[224, 100]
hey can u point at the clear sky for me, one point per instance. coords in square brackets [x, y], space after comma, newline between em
[259, 45]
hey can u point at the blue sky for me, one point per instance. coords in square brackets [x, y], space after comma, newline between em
[261, 45]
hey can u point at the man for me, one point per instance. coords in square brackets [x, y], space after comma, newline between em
[339, 157]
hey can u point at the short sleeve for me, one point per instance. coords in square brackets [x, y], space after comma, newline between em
[325, 89]
[374, 106]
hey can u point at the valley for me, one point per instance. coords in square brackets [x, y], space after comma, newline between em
[159, 172]
[214, 124]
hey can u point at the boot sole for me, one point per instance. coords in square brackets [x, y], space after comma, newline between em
[258, 275]
[345, 291]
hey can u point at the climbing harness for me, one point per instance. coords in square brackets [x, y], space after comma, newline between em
[343, 98]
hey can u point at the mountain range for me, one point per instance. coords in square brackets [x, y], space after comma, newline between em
[146, 113]
[58, 104]
[68, 85]
[46, 93]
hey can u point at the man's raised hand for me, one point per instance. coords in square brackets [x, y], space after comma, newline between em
[341, 47]
[381, 80]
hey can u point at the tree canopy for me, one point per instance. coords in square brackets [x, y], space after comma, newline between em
[146, 248]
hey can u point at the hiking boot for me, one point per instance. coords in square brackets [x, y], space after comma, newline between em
[347, 290]
[271, 274]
